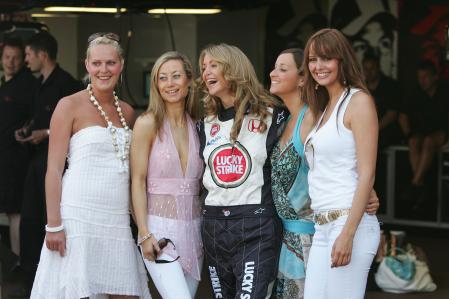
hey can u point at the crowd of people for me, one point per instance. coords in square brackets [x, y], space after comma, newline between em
[271, 190]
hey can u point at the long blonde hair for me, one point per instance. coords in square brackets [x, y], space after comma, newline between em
[156, 104]
[330, 43]
[239, 73]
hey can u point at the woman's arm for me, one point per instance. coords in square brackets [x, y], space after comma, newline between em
[143, 137]
[361, 118]
[404, 123]
[61, 131]
[390, 117]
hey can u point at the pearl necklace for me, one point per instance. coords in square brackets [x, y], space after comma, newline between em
[112, 130]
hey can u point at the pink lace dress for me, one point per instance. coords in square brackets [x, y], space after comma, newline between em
[173, 203]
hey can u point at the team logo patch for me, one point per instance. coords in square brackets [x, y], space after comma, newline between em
[254, 125]
[280, 117]
[214, 129]
[213, 140]
[230, 165]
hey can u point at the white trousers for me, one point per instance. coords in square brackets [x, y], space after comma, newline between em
[170, 280]
[345, 282]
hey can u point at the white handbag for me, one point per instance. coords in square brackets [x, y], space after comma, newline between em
[389, 282]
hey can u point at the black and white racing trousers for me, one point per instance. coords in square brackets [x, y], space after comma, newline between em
[242, 246]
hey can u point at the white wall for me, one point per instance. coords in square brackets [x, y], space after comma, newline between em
[150, 38]
[65, 30]
[242, 28]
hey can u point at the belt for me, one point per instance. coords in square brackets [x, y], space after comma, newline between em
[240, 211]
[299, 226]
[328, 216]
[174, 186]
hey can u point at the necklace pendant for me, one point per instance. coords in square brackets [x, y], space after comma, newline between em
[122, 151]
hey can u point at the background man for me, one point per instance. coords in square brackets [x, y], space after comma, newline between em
[425, 120]
[16, 92]
[55, 83]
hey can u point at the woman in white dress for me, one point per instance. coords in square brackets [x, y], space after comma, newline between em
[89, 251]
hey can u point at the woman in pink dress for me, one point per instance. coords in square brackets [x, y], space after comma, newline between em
[166, 172]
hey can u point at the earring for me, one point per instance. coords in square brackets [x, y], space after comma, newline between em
[316, 86]
[121, 79]
[86, 79]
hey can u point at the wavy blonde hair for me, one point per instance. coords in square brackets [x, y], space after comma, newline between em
[156, 103]
[239, 73]
[330, 43]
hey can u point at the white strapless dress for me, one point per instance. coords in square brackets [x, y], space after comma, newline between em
[101, 256]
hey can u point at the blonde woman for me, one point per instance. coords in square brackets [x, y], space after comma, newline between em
[89, 251]
[241, 231]
[166, 172]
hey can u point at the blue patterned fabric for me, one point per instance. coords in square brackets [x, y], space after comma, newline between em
[291, 198]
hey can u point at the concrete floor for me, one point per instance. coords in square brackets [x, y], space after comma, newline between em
[436, 249]
[435, 245]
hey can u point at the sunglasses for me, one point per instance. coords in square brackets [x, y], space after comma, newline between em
[109, 35]
[162, 244]
[309, 153]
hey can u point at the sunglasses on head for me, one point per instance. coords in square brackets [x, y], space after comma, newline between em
[109, 35]
[162, 244]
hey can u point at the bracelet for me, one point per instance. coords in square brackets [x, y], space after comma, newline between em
[54, 229]
[144, 238]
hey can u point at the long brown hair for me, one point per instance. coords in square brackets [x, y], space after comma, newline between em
[248, 92]
[156, 103]
[330, 43]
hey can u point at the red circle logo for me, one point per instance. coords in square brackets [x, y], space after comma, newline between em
[214, 129]
[230, 165]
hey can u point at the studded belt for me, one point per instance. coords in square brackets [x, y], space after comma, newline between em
[328, 216]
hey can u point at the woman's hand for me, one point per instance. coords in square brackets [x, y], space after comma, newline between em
[37, 136]
[56, 242]
[150, 249]
[341, 251]
[373, 203]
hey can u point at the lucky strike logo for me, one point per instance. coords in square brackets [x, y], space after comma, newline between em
[214, 130]
[230, 165]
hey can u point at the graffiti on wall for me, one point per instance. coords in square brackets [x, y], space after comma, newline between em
[370, 26]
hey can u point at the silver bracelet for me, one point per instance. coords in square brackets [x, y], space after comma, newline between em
[54, 229]
[144, 238]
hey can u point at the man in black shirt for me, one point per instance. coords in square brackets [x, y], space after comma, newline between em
[386, 94]
[16, 92]
[425, 120]
[55, 83]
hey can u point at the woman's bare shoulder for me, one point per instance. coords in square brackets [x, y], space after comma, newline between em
[145, 123]
[71, 103]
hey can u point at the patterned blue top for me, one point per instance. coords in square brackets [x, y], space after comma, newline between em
[291, 198]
